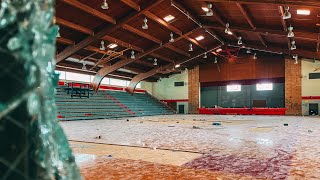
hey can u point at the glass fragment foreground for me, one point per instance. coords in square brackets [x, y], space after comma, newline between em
[33, 145]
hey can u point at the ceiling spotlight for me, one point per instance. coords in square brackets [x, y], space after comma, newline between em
[205, 56]
[58, 33]
[219, 50]
[177, 66]
[155, 63]
[112, 46]
[209, 11]
[227, 30]
[190, 47]
[293, 45]
[290, 33]
[303, 12]
[296, 61]
[145, 25]
[248, 51]
[84, 66]
[169, 18]
[102, 47]
[215, 60]
[132, 55]
[239, 40]
[286, 14]
[255, 56]
[199, 38]
[105, 5]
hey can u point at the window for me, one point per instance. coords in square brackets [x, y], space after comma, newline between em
[264, 87]
[233, 88]
[117, 82]
[62, 74]
[179, 83]
[314, 75]
[77, 77]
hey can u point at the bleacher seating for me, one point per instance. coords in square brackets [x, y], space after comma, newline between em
[107, 104]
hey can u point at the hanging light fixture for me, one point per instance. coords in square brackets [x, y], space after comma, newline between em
[215, 60]
[227, 30]
[58, 33]
[104, 5]
[239, 40]
[155, 63]
[286, 14]
[295, 57]
[290, 33]
[84, 65]
[190, 47]
[205, 56]
[248, 51]
[102, 47]
[210, 11]
[145, 25]
[293, 45]
[255, 56]
[132, 55]
[177, 66]
[171, 37]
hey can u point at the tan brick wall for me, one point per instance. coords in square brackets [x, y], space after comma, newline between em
[293, 92]
[193, 90]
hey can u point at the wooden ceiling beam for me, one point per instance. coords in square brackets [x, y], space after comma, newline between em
[162, 22]
[154, 39]
[132, 4]
[148, 64]
[106, 70]
[309, 3]
[161, 57]
[65, 41]
[107, 30]
[250, 21]
[74, 26]
[173, 48]
[122, 43]
[141, 33]
[90, 10]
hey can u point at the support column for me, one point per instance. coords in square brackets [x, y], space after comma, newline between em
[293, 99]
[194, 90]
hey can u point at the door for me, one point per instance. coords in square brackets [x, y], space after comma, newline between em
[313, 109]
[181, 109]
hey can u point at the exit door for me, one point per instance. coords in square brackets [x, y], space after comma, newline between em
[181, 109]
[313, 109]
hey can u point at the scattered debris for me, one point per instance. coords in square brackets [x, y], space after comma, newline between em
[177, 121]
[171, 126]
[286, 124]
[109, 156]
[98, 137]
[309, 131]
[141, 121]
[195, 127]
[216, 123]
[154, 148]
[127, 119]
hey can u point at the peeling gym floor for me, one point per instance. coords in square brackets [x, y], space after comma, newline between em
[190, 147]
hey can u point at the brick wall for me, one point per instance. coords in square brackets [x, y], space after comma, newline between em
[193, 90]
[293, 99]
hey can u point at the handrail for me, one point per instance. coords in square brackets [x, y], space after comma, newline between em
[165, 104]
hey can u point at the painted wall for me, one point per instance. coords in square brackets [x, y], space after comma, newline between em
[310, 87]
[218, 95]
[164, 89]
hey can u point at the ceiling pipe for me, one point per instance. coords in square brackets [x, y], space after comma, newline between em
[201, 54]
[255, 49]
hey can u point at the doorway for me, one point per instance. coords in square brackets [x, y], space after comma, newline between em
[181, 109]
[313, 109]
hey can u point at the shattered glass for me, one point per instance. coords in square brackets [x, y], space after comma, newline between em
[33, 145]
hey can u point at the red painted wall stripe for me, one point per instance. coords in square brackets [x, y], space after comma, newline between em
[310, 97]
[175, 100]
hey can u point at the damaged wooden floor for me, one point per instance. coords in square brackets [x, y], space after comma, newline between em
[190, 147]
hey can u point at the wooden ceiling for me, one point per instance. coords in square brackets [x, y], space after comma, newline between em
[83, 24]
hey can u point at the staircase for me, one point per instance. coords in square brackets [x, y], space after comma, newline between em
[107, 105]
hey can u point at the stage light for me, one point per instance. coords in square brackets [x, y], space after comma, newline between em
[102, 47]
[104, 5]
